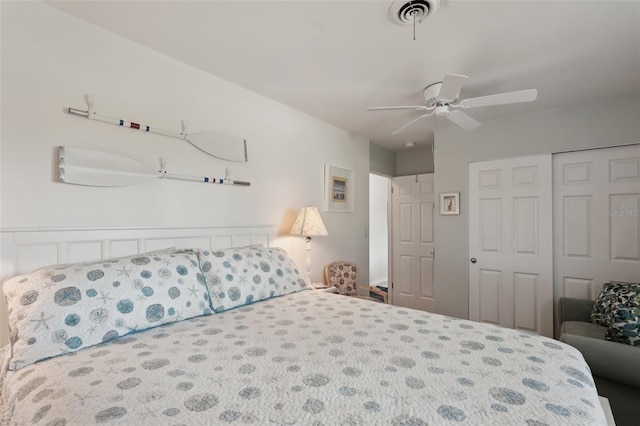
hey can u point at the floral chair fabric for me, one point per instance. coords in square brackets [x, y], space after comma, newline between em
[344, 277]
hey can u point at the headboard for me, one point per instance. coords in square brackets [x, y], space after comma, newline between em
[24, 250]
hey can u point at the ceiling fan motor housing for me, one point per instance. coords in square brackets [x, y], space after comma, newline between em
[431, 93]
[406, 12]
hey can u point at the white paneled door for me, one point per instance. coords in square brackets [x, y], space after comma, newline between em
[413, 248]
[510, 243]
[596, 221]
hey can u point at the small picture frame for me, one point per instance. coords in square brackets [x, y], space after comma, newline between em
[449, 203]
[338, 189]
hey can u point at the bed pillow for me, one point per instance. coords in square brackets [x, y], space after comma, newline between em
[240, 276]
[624, 326]
[64, 308]
[614, 294]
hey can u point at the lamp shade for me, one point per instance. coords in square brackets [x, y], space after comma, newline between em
[309, 223]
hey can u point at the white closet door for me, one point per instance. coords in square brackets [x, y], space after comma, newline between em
[596, 222]
[413, 248]
[510, 243]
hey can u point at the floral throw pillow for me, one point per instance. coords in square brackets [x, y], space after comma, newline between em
[240, 276]
[614, 294]
[624, 326]
[64, 308]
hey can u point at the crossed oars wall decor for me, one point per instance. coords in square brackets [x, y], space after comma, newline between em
[225, 147]
[89, 167]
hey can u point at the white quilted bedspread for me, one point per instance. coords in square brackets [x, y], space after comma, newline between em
[310, 358]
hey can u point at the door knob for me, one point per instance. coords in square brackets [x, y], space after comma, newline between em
[474, 260]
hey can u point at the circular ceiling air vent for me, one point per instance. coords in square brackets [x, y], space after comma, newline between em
[407, 12]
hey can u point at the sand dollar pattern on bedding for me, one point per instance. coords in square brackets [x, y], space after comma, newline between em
[312, 358]
[241, 276]
[63, 308]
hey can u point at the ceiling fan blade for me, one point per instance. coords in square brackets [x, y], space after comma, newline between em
[416, 107]
[501, 99]
[451, 85]
[411, 122]
[463, 120]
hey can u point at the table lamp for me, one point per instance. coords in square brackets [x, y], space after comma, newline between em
[309, 224]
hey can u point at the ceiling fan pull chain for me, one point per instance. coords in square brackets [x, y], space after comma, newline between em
[414, 13]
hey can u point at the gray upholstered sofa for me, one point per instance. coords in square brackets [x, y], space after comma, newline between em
[615, 366]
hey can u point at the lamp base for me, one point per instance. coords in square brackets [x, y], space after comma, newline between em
[307, 274]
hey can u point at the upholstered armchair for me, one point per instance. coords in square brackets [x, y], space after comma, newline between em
[344, 277]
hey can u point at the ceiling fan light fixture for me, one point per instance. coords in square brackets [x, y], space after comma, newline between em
[408, 12]
[442, 110]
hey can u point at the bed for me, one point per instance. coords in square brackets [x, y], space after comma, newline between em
[294, 356]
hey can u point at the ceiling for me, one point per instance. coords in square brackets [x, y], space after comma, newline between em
[333, 59]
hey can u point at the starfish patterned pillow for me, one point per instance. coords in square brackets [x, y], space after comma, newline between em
[241, 276]
[64, 308]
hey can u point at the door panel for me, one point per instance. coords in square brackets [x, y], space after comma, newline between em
[426, 277]
[524, 289]
[625, 240]
[426, 222]
[576, 226]
[412, 218]
[525, 211]
[490, 221]
[510, 243]
[405, 281]
[406, 223]
[489, 296]
[596, 221]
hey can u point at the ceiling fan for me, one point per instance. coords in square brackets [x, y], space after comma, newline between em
[442, 100]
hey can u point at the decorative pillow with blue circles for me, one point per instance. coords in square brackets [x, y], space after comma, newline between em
[624, 326]
[241, 276]
[64, 308]
[614, 295]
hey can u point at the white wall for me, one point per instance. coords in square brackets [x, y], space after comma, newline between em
[606, 123]
[378, 229]
[50, 60]
[381, 160]
[414, 161]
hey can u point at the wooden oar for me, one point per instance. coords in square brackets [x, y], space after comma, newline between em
[83, 166]
[225, 147]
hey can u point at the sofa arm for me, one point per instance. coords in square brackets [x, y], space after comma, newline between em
[571, 309]
[614, 361]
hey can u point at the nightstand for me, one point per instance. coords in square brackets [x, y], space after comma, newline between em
[322, 287]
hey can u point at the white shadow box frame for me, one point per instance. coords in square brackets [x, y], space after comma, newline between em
[338, 189]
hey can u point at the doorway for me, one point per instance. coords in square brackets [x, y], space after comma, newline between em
[596, 199]
[510, 243]
[542, 227]
[413, 205]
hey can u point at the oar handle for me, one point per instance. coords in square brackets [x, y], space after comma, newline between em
[125, 123]
[205, 179]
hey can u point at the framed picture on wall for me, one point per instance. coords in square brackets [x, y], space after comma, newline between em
[338, 189]
[449, 203]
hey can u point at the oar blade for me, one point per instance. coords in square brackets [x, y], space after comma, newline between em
[225, 147]
[97, 168]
